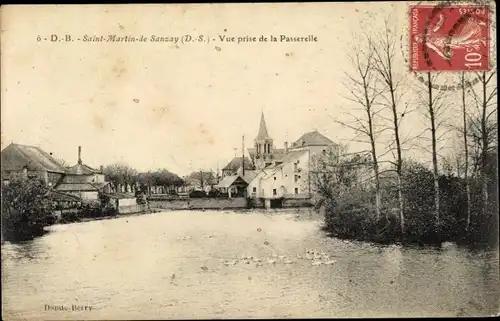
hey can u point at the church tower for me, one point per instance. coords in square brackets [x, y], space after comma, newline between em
[263, 144]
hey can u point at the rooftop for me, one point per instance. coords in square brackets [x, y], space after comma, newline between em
[16, 156]
[313, 138]
[82, 169]
[236, 162]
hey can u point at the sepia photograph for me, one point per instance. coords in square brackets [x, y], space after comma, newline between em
[249, 160]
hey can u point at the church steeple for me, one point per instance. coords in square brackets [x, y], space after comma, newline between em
[263, 142]
[263, 134]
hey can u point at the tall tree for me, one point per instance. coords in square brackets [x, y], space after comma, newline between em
[466, 147]
[485, 129]
[362, 86]
[200, 178]
[385, 50]
[433, 101]
[121, 175]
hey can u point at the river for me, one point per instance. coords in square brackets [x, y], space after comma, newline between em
[180, 265]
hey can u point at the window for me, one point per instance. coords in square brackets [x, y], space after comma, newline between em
[296, 178]
[274, 177]
[254, 189]
[274, 191]
[295, 167]
[296, 190]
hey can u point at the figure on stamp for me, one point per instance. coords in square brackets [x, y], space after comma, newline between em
[470, 36]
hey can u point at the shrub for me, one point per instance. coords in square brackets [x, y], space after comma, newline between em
[214, 193]
[351, 214]
[197, 194]
[25, 209]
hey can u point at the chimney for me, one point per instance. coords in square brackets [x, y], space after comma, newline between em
[102, 169]
[286, 147]
[79, 154]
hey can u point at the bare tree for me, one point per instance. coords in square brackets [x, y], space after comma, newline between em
[484, 130]
[466, 148]
[362, 85]
[121, 176]
[433, 100]
[384, 57]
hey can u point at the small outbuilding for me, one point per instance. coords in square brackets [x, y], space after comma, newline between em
[234, 186]
[124, 203]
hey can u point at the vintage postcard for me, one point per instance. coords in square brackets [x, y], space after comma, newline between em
[265, 160]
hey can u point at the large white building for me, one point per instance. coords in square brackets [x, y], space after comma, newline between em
[280, 172]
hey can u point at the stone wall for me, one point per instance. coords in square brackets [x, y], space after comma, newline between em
[129, 209]
[200, 203]
[297, 202]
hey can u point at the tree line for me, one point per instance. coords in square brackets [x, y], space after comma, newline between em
[124, 177]
[384, 98]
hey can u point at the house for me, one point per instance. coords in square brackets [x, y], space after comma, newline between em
[30, 162]
[234, 186]
[285, 173]
[83, 181]
[287, 179]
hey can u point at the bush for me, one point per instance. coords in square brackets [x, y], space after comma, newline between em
[90, 210]
[25, 209]
[197, 194]
[69, 217]
[352, 214]
[214, 193]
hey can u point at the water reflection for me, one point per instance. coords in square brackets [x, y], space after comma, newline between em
[164, 266]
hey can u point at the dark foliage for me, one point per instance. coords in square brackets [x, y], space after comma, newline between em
[25, 209]
[352, 215]
[214, 193]
[197, 194]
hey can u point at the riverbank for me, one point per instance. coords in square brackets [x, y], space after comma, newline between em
[223, 203]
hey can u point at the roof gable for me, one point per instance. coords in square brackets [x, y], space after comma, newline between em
[312, 139]
[235, 164]
[228, 181]
[17, 156]
[82, 169]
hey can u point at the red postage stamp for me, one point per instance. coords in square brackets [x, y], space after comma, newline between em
[449, 38]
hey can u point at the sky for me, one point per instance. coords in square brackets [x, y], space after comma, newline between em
[182, 107]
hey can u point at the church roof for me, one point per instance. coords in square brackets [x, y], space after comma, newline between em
[312, 139]
[277, 153]
[263, 134]
[235, 164]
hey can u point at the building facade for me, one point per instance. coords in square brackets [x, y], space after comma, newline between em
[83, 181]
[23, 161]
[285, 173]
